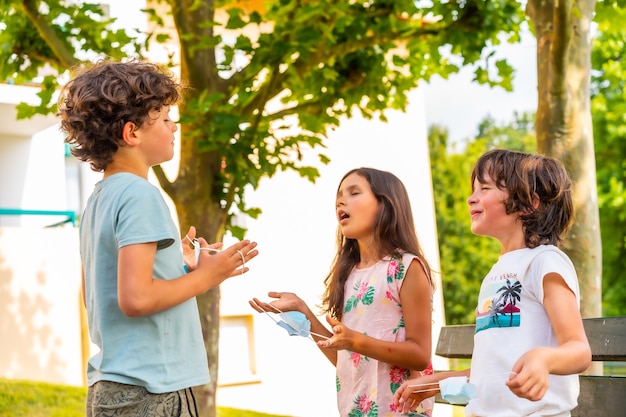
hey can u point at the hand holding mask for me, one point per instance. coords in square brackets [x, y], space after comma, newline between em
[294, 322]
[455, 390]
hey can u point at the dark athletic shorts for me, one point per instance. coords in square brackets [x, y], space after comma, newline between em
[112, 399]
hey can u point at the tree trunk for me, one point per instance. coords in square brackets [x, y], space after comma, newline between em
[196, 205]
[564, 128]
[208, 303]
[199, 201]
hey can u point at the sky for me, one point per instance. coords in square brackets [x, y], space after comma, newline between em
[459, 104]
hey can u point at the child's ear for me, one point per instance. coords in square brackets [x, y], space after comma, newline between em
[129, 135]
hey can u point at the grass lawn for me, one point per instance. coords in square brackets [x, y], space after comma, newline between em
[38, 399]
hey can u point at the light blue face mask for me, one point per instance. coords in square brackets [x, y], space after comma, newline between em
[456, 390]
[295, 323]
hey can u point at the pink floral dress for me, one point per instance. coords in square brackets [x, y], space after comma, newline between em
[365, 386]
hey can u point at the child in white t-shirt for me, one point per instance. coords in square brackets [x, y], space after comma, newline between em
[529, 343]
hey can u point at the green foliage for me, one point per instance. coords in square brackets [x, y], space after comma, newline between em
[465, 258]
[609, 125]
[38, 399]
[255, 74]
[57, 34]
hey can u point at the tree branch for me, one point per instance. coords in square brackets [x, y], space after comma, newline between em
[189, 18]
[324, 54]
[288, 111]
[65, 56]
[165, 183]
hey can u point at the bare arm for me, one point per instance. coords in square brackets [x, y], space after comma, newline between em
[139, 293]
[571, 356]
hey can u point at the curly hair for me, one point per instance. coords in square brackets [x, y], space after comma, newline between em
[96, 104]
[394, 231]
[537, 185]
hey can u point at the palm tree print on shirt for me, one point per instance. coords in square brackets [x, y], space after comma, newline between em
[509, 295]
[500, 307]
[496, 309]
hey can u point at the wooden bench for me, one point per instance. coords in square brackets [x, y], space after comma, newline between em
[600, 396]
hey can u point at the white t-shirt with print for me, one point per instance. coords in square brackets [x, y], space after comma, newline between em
[511, 320]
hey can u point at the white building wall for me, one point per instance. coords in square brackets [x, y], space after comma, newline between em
[40, 322]
[32, 175]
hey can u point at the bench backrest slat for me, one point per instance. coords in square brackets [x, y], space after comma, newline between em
[601, 396]
[607, 337]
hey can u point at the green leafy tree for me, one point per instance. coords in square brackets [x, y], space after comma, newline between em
[608, 90]
[257, 69]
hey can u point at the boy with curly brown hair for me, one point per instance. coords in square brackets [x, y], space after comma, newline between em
[139, 286]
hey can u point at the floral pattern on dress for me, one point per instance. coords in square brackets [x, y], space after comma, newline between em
[397, 376]
[363, 292]
[395, 271]
[364, 407]
[357, 358]
[399, 326]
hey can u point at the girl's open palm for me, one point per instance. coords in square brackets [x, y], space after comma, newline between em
[284, 301]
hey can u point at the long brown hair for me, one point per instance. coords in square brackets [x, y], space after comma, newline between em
[394, 231]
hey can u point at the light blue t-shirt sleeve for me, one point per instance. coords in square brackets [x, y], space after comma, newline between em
[144, 217]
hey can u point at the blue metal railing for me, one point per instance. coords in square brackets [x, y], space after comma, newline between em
[69, 215]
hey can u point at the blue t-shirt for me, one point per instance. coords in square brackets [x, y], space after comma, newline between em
[162, 352]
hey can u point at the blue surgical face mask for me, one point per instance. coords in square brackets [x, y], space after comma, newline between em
[295, 323]
[456, 390]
